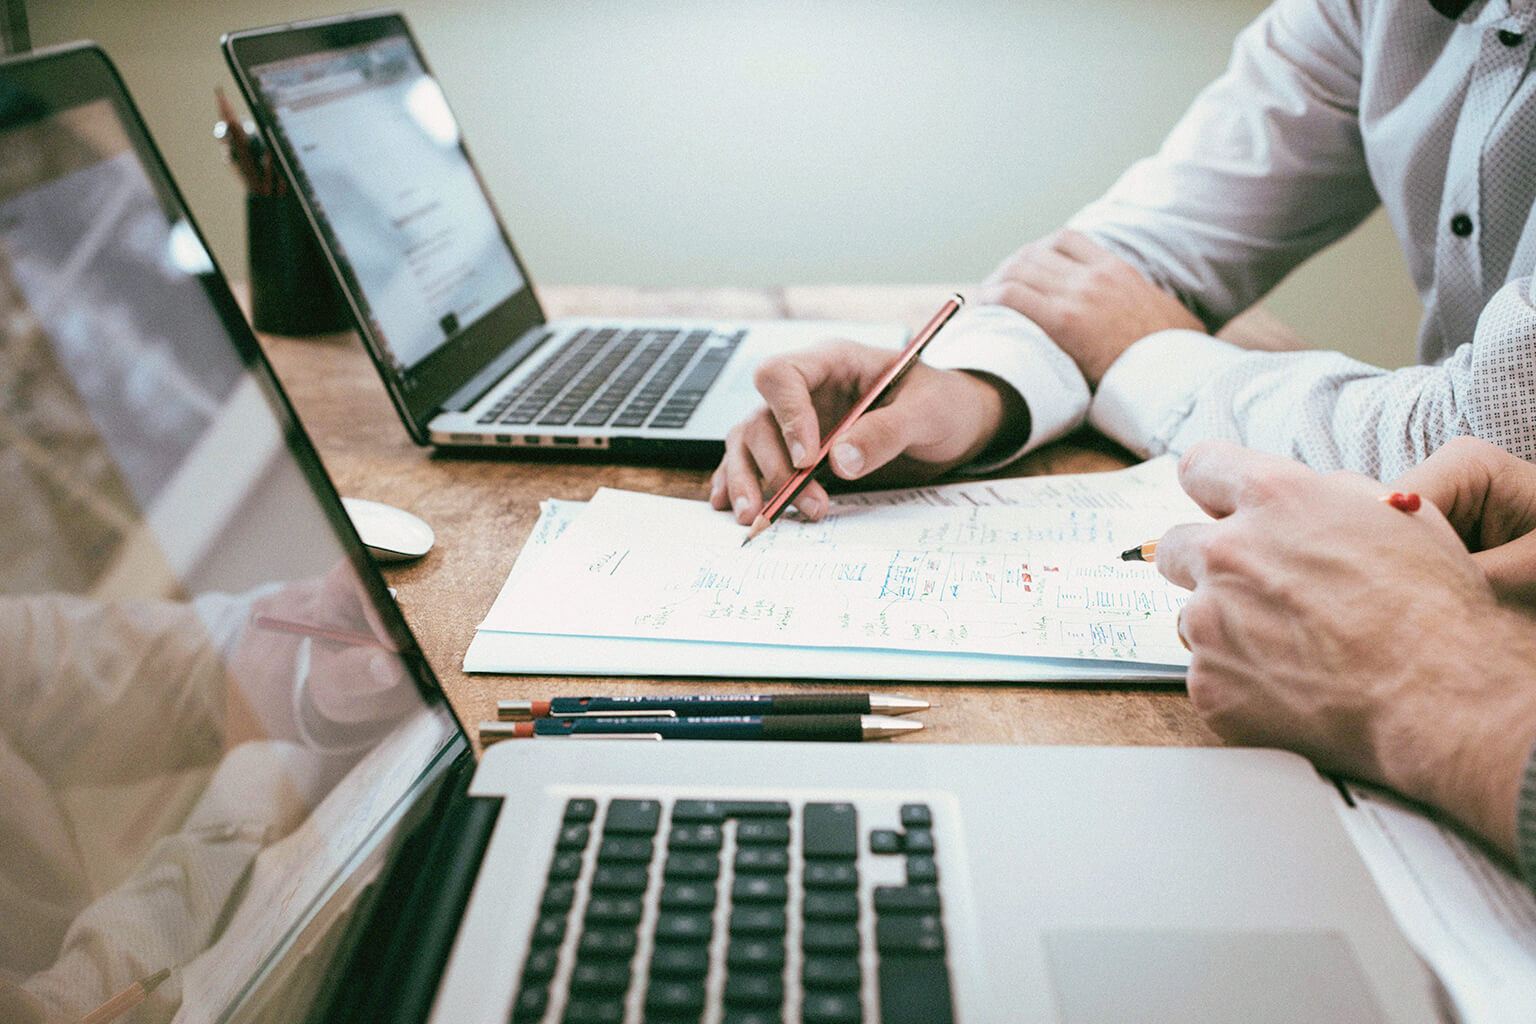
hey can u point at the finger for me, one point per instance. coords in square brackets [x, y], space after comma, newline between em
[790, 385]
[740, 475]
[1181, 553]
[718, 498]
[874, 439]
[766, 449]
[1488, 494]
[1220, 476]
[1511, 570]
[1078, 247]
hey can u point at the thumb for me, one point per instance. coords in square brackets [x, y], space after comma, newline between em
[873, 440]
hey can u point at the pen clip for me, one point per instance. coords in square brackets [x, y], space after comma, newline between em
[616, 713]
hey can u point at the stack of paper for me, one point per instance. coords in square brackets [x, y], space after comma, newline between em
[998, 580]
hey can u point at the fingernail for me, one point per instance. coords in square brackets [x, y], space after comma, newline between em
[741, 504]
[813, 507]
[850, 461]
[797, 453]
[714, 490]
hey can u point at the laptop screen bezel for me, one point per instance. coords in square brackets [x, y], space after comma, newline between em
[419, 392]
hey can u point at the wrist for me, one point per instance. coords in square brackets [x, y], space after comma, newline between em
[1004, 418]
[1459, 737]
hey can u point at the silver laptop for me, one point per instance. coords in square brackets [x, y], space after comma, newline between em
[231, 788]
[365, 135]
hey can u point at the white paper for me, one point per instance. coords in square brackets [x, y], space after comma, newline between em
[1469, 916]
[978, 573]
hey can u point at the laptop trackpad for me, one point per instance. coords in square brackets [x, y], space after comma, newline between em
[1206, 977]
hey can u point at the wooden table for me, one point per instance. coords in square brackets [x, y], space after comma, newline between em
[482, 509]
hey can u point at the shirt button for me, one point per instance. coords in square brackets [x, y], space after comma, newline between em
[1509, 38]
[1461, 225]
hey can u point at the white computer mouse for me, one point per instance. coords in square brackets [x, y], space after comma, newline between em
[390, 534]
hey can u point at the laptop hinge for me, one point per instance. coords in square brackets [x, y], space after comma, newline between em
[398, 959]
[492, 373]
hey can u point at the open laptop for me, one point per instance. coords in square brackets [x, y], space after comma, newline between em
[366, 137]
[231, 788]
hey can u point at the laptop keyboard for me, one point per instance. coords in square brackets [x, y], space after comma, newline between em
[620, 377]
[735, 911]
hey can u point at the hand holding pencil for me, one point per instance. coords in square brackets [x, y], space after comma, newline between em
[926, 423]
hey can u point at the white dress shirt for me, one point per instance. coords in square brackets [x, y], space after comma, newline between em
[1328, 108]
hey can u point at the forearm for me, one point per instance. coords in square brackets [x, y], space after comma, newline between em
[1265, 169]
[1322, 408]
[1461, 740]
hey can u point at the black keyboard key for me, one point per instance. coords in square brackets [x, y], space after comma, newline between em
[632, 817]
[688, 896]
[668, 996]
[738, 1015]
[762, 860]
[675, 927]
[754, 988]
[830, 830]
[916, 816]
[573, 837]
[884, 840]
[909, 933]
[676, 961]
[599, 977]
[565, 866]
[629, 849]
[831, 874]
[755, 954]
[830, 906]
[750, 920]
[829, 937]
[603, 910]
[759, 889]
[836, 972]
[606, 944]
[922, 871]
[914, 990]
[695, 837]
[548, 931]
[918, 841]
[540, 965]
[530, 1004]
[691, 866]
[906, 899]
[558, 897]
[685, 811]
[832, 1008]
[580, 810]
[758, 809]
[593, 1011]
[620, 878]
[762, 832]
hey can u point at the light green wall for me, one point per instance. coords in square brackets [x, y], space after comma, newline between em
[714, 142]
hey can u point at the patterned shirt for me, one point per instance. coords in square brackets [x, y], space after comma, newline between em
[1328, 109]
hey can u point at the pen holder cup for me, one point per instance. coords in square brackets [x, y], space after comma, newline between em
[292, 290]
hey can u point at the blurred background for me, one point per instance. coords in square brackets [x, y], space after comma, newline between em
[715, 142]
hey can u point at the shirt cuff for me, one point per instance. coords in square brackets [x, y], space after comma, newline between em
[1150, 389]
[1005, 344]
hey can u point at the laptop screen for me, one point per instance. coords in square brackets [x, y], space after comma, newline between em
[376, 153]
[209, 710]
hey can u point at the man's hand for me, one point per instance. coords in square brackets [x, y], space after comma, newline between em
[1489, 496]
[1328, 622]
[932, 421]
[1091, 303]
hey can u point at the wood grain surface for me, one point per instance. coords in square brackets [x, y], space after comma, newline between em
[482, 509]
